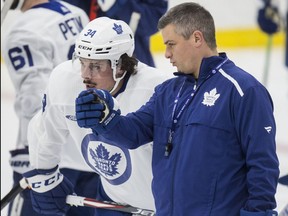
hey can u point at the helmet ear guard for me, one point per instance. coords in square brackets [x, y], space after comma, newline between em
[105, 38]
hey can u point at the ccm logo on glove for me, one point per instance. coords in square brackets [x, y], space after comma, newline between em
[43, 182]
[46, 182]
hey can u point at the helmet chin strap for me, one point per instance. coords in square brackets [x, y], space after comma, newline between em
[117, 80]
[114, 71]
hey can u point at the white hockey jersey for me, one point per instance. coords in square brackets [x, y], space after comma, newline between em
[125, 174]
[37, 41]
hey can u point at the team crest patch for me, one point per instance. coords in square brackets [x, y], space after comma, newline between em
[107, 165]
[111, 162]
[210, 97]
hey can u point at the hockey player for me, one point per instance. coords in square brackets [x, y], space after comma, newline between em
[212, 127]
[42, 36]
[103, 55]
[141, 15]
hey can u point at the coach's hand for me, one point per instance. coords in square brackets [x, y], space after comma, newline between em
[97, 109]
[49, 191]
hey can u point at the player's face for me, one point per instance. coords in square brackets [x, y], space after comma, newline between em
[180, 51]
[97, 73]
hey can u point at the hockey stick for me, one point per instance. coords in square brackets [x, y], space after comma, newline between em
[267, 60]
[84, 201]
[6, 7]
[78, 201]
[22, 185]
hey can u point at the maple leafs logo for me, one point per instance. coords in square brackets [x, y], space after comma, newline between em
[210, 98]
[118, 28]
[106, 165]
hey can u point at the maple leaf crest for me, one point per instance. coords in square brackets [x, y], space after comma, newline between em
[210, 98]
[118, 28]
[103, 163]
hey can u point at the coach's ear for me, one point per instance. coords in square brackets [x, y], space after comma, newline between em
[197, 39]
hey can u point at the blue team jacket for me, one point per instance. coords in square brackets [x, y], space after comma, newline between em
[222, 158]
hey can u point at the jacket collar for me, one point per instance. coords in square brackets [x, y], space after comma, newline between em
[208, 66]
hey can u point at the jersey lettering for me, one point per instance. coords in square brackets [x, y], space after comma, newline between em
[71, 26]
[18, 57]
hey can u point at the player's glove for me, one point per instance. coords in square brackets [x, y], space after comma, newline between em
[269, 18]
[97, 109]
[19, 161]
[49, 191]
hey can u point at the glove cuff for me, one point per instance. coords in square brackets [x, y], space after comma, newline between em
[42, 181]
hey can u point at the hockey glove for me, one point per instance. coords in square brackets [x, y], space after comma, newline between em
[20, 164]
[269, 18]
[49, 191]
[97, 109]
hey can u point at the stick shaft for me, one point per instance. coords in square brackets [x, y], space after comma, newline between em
[88, 202]
[17, 189]
[78, 201]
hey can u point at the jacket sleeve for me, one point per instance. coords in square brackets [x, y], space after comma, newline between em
[134, 129]
[256, 128]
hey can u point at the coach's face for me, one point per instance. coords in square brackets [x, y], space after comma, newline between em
[183, 53]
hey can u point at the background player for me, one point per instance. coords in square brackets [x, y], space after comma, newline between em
[42, 36]
[141, 15]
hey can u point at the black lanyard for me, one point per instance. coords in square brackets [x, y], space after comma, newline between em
[176, 116]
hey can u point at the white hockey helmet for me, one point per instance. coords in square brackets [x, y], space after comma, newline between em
[105, 38]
